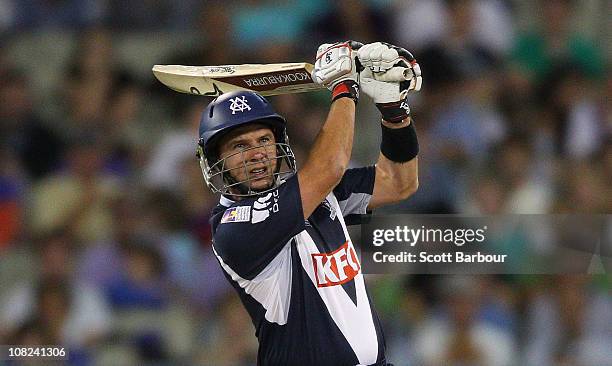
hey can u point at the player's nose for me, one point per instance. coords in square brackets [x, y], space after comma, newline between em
[259, 154]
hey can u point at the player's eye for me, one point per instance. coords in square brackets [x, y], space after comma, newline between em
[264, 140]
[240, 145]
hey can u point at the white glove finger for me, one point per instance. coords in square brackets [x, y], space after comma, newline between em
[376, 57]
[371, 55]
[389, 54]
[416, 80]
[333, 61]
[364, 53]
[416, 69]
[323, 74]
[386, 65]
[322, 48]
[328, 74]
[416, 85]
[381, 91]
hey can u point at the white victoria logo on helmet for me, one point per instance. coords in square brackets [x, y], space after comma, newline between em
[239, 104]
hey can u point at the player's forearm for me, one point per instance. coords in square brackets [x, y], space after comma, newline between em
[403, 176]
[332, 148]
[335, 67]
[397, 170]
[329, 157]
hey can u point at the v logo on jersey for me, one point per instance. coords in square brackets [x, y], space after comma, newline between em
[263, 206]
[337, 267]
[353, 318]
[332, 211]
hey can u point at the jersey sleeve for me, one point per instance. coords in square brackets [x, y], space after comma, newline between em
[252, 232]
[355, 191]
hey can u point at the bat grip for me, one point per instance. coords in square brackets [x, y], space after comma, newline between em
[394, 74]
[355, 46]
[358, 64]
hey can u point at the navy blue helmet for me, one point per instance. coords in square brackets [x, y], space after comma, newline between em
[226, 113]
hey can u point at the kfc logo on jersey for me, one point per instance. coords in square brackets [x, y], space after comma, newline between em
[337, 267]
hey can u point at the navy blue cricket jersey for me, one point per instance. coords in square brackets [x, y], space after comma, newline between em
[300, 280]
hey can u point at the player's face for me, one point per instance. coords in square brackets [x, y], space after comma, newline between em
[250, 154]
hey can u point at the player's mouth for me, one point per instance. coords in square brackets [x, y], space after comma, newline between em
[259, 173]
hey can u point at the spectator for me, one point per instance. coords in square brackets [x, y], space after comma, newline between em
[125, 132]
[232, 328]
[582, 190]
[569, 323]
[140, 283]
[167, 159]
[77, 198]
[487, 196]
[11, 200]
[215, 36]
[70, 14]
[554, 42]
[151, 15]
[350, 19]
[25, 135]
[486, 24]
[166, 212]
[71, 312]
[457, 336]
[100, 262]
[525, 185]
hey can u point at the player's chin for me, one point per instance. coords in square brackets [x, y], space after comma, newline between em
[262, 183]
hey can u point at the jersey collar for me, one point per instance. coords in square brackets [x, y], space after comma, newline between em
[224, 201]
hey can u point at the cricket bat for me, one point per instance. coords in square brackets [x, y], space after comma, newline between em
[266, 79]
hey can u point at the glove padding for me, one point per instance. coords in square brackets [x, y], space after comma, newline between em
[387, 62]
[389, 74]
[336, 63]
[382, 91]
[389, 97]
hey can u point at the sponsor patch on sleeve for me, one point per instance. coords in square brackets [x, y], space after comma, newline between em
[237, 214]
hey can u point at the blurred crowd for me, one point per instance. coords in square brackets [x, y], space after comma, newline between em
[104, 235]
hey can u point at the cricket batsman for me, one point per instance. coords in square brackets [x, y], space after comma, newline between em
[279, 233]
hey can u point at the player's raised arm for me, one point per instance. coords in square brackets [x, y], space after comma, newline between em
[329, 157]
[397, 165]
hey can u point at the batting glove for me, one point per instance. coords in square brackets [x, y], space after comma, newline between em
[389, 74]
[336, 68]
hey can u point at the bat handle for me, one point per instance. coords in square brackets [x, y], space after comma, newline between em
[396, 73]
[355, 46]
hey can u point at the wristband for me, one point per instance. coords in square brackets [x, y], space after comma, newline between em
[394, 112]
[399, 144]
[346, 88]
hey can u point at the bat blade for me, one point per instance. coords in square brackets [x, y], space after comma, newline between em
[266, 79]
